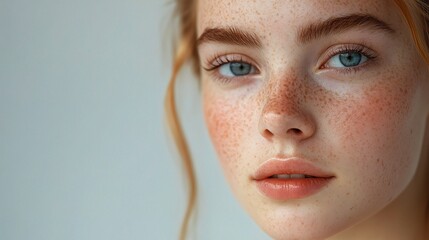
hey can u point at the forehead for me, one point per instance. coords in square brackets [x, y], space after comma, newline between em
[272, 16]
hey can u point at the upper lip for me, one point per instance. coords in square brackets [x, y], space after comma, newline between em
[291, 165]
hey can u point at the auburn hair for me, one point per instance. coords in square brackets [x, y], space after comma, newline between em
[415, 13]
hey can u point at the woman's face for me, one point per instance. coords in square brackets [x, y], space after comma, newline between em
[316, 109]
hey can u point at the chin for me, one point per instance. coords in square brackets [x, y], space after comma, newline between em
[311, 228]
[301, 219]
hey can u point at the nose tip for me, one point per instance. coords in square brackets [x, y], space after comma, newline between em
[295, 125]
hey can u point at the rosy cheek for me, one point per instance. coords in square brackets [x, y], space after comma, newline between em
[228, 122]
[383, 117]
[222, 125]
[374, 135]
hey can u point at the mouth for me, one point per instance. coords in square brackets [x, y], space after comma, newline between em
[291, 178]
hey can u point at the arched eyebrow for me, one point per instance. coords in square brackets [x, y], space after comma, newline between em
[235, 36]
[229, 35]
[341, 24]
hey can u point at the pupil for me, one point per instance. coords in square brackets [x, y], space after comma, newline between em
[240, 69]
[350, 59]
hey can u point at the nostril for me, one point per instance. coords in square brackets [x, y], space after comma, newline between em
[273, 125]
[267, 133]
[295, 131]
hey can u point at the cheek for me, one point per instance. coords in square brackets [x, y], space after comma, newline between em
[226, 123]
[378, 136]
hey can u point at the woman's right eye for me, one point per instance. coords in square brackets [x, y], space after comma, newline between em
[231, 68]
[236, 69]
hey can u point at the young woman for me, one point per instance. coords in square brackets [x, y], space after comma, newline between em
[318, 111]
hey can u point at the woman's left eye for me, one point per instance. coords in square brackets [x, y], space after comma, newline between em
[346, 60]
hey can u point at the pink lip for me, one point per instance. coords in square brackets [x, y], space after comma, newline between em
[292, 188]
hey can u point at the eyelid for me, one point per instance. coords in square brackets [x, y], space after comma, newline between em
[343, 48]
[213, 64]
[220, 59]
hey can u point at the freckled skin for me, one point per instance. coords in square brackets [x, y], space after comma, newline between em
[366, 127]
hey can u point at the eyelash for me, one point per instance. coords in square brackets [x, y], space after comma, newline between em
[355, 48]
[220, 60]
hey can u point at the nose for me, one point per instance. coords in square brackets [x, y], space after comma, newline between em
[283, 116]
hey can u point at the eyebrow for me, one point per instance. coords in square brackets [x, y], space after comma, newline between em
[229, 35]
[341, 24]
[235, 36]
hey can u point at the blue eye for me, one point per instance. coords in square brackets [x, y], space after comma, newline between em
[236, 69]
[347, 60]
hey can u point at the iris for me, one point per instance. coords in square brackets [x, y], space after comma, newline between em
[350, 59]
[240, 68]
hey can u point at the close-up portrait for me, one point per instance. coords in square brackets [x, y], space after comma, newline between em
[317, 112]
[214, 119]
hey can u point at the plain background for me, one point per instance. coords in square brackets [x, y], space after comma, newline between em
[84, 152]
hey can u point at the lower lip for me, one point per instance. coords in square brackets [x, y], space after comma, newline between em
[285, 189]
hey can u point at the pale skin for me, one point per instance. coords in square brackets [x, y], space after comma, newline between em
[367, 125]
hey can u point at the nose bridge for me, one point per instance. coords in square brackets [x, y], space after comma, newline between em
[284, 95]
[283, 113]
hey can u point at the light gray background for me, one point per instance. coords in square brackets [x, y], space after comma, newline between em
[84, 153]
